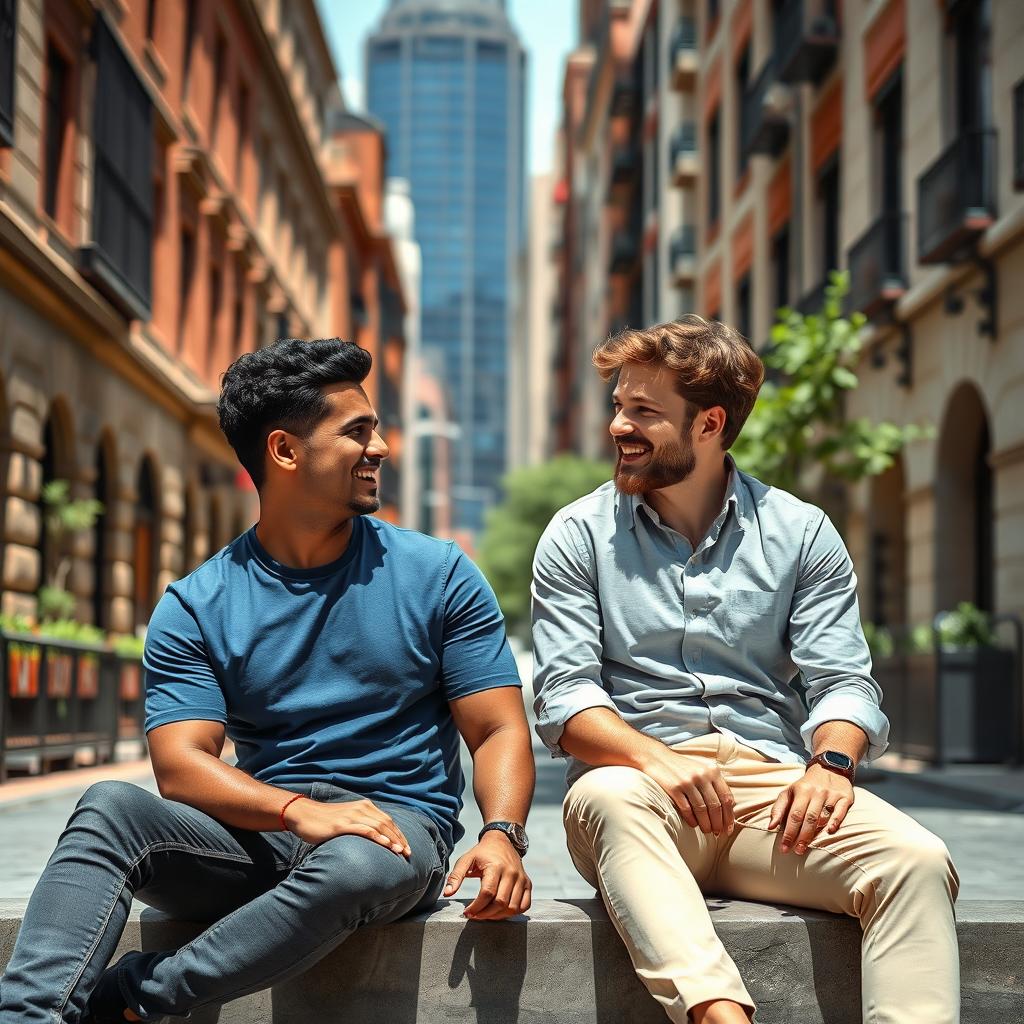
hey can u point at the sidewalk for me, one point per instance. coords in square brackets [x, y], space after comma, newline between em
[993, 786]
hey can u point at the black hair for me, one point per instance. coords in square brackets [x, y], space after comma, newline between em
[281, 388]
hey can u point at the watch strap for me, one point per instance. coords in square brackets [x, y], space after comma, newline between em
[820, 759]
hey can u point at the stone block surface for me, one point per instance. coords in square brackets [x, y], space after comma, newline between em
[566, 965]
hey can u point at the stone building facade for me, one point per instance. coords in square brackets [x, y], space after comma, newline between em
[881, 137]
[168, 201]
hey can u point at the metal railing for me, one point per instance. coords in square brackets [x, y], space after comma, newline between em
[682, 245]
[956, 196]
[59, 698]
[683, 38]
[761, 131]
[806, 39]
[954, 704]
[684, 141]
[877, 264]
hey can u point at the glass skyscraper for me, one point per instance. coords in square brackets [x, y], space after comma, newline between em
[447, 79]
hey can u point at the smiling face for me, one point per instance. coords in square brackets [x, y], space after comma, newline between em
[651, 430]
[339, 466]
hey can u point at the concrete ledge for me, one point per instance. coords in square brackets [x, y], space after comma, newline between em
[566, 965]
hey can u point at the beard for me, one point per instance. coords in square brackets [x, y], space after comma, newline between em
[364, 505]
[669, 464]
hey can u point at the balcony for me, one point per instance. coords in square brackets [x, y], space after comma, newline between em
[623, 98]
[764, 117]
[813, 301]
[877, 266]
[625, 163]
[623, 253]
[956, 198]
[683, 164]
[682, 255]
[683, 54]
[806, 40]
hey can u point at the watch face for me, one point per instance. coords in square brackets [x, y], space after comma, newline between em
[837, 760]
[518, 836]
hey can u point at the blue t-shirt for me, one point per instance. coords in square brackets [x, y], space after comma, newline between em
[341, 673]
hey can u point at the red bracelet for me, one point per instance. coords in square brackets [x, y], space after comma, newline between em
[298, 796]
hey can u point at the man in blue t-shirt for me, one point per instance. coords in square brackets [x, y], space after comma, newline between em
[344, 657]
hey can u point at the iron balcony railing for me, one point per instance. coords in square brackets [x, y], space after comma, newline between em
[682, 245]
[806, 39]
[813, 301]
[624, 163]
[684, 141]
[60, 698]
[956, 197]
[877, 265]
[762, 129]
[684, 38]
[623, 252]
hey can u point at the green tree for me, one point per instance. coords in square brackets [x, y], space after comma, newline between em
[799, 420]
[62, 517]
[532, 496]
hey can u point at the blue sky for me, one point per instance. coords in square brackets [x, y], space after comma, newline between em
[547, 28]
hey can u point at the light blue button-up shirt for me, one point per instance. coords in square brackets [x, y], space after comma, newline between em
[756, 633]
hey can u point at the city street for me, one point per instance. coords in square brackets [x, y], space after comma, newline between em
[985, 844]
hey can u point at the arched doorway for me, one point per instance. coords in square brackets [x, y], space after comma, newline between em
[887, 548]
[188, 544]
[964, 506]
[58, 463]
[105, 491]
[146, 538]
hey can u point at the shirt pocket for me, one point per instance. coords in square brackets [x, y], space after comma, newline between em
[750, 618]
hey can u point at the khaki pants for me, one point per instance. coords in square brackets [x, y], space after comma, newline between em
[653, 870]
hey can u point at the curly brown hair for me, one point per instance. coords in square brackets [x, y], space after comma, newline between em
[712, 362]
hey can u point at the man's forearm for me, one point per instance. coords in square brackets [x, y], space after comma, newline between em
[845, 737]
[202, 780]
[504, 774]
[599, 737]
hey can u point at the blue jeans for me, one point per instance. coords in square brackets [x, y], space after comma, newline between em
[277, 904]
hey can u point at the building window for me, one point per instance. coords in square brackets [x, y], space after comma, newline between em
[828, 211]
[243, 132]
[780, 268]
[714, 169]
[971, 24]
[213, 328]
[8, 33]
[742, 80]
[151, 19]
[743, 304]
[1018, 136]
[118, 259]
[238, 312]
[186, 273]
[191, 11]
[146, 543]
[219, 72]
[56, 128]
[889, 144]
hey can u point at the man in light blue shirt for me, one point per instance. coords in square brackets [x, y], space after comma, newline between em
[700, 661]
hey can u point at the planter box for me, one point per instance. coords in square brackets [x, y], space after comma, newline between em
[976, 705]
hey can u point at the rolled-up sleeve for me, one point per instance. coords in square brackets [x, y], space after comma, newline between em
[566, 633]
[827, 641]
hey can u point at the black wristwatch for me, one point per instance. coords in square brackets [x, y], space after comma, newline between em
[515, 832]
[834, 761]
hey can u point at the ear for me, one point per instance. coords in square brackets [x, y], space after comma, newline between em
[282, 449]
[713, 425]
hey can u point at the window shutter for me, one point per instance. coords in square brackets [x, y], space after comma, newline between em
[119, 258]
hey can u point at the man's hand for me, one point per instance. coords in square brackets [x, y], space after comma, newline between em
[696, 787]
[504, 885]
[316, 822]
[819, 800]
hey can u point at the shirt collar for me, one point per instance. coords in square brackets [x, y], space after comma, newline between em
[627, 505]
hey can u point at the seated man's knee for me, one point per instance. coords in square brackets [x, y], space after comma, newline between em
[923, 858]
[609, 792]
[115, 801]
